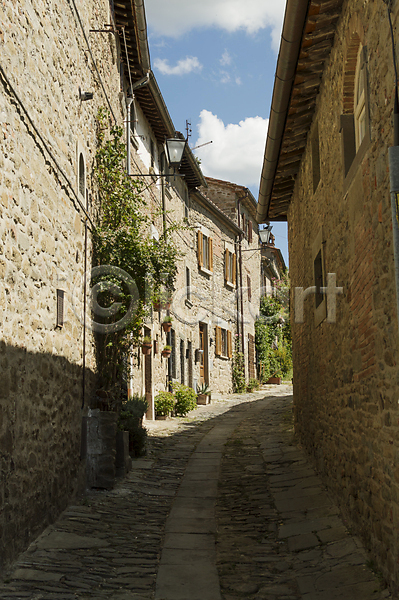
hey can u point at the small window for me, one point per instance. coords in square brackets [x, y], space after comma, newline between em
[315, 158]
[249, 288]
[186, 204]
[359, 101]
[230, 267]
[60, 308]
[320, 306]
[82, 176]
[152, 152]
[205, 251]
[250, 231]
[188, 284]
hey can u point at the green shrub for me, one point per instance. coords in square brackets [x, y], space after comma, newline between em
[131, 420]
[164, 404]
[253, 384]
[186, 399]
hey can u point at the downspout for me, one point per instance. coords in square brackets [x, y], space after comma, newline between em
[240, 267]
[393, 154]
[129, 103]
[237, 295]
[84, 320]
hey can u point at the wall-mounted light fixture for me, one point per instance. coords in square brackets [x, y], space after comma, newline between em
[264, 234]
[174, 149]
[84, 96]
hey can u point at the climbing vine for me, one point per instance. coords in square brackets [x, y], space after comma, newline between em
[135, 267]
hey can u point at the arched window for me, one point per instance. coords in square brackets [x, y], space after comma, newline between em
[82, 177]
[359, 100]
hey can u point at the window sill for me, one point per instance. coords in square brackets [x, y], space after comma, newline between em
[222, 356]
[230, 285]
[205, 271]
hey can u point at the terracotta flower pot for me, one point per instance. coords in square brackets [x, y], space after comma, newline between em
[166, 326]
[202, 399]
[275, 380]
[166, 353]
[146, 348]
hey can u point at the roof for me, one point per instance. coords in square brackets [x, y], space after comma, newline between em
[131, 24]
[212, 207]
[307, 38]
[245, 193]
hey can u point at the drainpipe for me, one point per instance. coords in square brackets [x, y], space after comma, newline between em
[129, 104]
[237, 295]
[393, 154]
[84, 320]
[240, 267]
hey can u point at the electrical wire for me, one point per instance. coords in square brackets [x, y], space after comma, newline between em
[46, 145]
[92, 58]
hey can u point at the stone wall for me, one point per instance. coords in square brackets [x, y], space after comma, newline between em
[345, 373]
[43, 124]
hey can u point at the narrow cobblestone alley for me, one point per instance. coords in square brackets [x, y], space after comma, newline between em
[224, 507]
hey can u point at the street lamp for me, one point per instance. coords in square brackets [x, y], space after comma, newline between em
[174, 149]
[264, 234]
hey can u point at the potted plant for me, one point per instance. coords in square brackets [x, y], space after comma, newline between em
[146, 346]
[167, 324]
[253, 384]
[185, 398]
[166, 352]
[203, 394]
[164, 403]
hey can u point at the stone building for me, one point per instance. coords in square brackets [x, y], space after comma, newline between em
[60, 65]
[239, 204]
[272, 266]
[326, 171]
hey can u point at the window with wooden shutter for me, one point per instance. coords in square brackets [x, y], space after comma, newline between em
[234, 270]
[226, 265]
[218, 336]
[250, 232]
[199, 249]
[210, 241]
[229, 345]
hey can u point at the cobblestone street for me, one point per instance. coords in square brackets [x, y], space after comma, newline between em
[224, 506]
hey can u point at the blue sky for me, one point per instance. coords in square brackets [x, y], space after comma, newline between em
[215, 63]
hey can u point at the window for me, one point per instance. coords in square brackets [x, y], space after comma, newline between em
[188, 284]
[152, 152]
[205, 252]
[249, 288]
[249, 231]
[182, 363]
[319, 278]
[315, 145]
[354, 126]
[359, 101]
[60, 308]
[230, 267]
[82, 176]
[223, 346]
[186, 204]
[244, 224]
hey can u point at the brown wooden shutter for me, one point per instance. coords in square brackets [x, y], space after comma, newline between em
[233, 279]
[229, 345]
[218, 336]
[200, 254]
[210, 254]
[250, 232]
[226, 265]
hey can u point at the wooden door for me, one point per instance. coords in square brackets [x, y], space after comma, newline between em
[202, 357]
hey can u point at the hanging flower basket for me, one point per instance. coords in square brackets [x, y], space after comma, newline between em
[167, 325]
[166, 352]
[146, 347]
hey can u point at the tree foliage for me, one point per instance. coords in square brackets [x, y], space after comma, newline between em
[122, 240]
[273, 333]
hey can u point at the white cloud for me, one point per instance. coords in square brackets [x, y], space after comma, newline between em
[183, 67]
[236, 152]
[176, 17]
[226, 59]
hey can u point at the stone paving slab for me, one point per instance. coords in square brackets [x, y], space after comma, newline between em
[268, 531]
